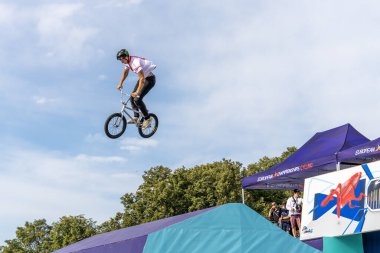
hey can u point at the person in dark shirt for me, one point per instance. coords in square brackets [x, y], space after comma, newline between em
[274, 213]
[284, 220]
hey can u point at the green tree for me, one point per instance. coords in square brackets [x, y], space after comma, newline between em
[214, 184]
[71, 229]
[114, 223]
[32, 238]
[153, 199]
[165, 193]
[259, 199]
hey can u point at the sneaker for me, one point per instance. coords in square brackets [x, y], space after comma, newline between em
[146, 123]
[132, 121]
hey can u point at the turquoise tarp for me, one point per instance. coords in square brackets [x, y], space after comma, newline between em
[347, 244]
[232, 228]
[343, 244]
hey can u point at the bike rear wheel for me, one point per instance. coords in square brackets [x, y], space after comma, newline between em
[115, 125]
[151, 129]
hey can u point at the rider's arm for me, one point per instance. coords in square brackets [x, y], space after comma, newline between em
[123, 77]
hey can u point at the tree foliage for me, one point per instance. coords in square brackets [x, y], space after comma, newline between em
[39, 237]
[71, 229]
[259, 199]
[163, 193]
[112, 224]
[32, 238]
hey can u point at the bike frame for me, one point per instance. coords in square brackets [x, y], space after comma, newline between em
[125, 108]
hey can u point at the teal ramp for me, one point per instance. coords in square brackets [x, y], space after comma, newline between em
[343, 244]
[230, 228]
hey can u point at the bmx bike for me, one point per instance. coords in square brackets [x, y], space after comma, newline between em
[116, 123]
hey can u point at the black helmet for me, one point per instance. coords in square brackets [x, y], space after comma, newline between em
[123, 53]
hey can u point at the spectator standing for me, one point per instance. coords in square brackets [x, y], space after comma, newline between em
[294, 205]
[274, 213]
[284, 220]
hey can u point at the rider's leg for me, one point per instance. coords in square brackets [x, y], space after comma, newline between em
[133, 103]
[148, 85]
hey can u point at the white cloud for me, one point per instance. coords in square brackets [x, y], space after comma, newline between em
[44, 100]
[261, 82]
[136, 144]
[56, 168]
[100, 159]
[117, 3]
[64, 40]
[44, 184]
[96, 138]
[57, 31]
[7, 13]
[102, 77]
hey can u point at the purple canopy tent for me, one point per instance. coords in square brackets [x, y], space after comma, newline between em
[364, 153]
[317, 156]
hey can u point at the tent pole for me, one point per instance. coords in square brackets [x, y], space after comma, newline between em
[338, 166]
[242, 196]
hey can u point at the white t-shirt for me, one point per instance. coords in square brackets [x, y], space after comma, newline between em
[136, 64]
[291, 205]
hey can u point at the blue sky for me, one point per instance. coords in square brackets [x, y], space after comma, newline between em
[235, 79]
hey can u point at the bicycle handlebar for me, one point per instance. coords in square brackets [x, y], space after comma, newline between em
[124, 93]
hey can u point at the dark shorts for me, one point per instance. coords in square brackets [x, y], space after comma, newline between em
[285, 226]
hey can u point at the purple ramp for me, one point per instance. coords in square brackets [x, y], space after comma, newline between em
[131, 239]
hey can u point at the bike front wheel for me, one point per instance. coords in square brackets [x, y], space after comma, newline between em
[115, 125]
[151, 129]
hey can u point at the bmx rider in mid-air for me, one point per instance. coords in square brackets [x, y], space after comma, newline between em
[143, 68]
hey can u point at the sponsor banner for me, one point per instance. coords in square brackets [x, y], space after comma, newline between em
[369, 150]
[285, 172]
[342, 202]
